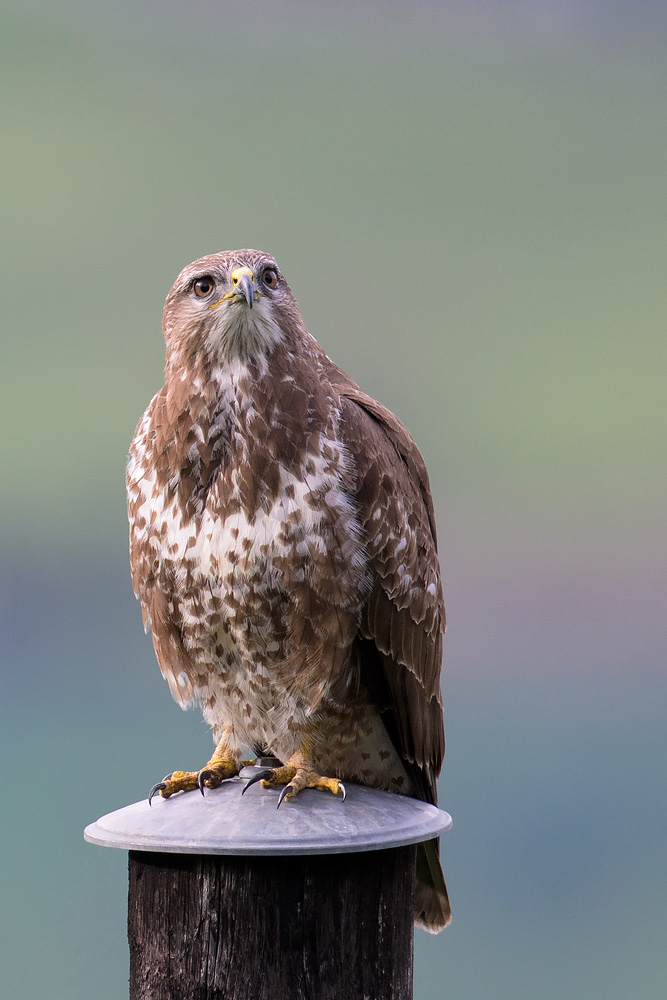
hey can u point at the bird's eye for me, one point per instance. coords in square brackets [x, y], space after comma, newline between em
[270, 278]
[204, 286]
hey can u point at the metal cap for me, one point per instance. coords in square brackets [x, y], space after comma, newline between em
[314, 822]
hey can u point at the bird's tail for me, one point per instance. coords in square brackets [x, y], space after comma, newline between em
[432, 911]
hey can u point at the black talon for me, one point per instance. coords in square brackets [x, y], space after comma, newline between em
[282, 795]
[156, 788]
[203, 775]
[267, 772]
[341, 785]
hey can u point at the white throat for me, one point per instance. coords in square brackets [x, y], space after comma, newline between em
[240, 332]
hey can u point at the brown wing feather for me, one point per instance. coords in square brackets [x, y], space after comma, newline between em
[404, 619]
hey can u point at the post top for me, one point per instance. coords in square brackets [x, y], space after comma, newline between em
[314, 823]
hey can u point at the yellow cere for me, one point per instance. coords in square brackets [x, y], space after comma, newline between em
[238, 273]
[236, 276]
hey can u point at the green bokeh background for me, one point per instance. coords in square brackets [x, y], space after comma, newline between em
[469, 203]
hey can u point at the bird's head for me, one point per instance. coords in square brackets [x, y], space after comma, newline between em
[229, 305]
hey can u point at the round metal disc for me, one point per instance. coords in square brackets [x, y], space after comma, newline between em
[315, 822]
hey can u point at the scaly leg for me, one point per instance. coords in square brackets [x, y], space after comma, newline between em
[224, 763]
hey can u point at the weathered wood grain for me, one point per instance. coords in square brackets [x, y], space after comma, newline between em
[316, 927]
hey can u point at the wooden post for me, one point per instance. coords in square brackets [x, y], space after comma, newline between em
[233, 899]
[315, 927]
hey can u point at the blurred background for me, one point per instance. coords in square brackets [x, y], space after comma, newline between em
[468, 199]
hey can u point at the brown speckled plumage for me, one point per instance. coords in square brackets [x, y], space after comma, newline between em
[283, 547]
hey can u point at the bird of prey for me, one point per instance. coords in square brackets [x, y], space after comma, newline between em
[283, 548]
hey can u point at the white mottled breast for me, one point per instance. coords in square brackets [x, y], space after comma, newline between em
[226, 590]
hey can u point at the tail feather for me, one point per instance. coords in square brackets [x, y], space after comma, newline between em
[432, 910]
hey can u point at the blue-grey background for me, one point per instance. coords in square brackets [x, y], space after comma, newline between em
[468, 199]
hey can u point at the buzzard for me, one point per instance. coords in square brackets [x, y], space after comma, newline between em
[283, 548]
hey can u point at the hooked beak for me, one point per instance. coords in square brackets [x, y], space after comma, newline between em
[243, 284]
[243, 287]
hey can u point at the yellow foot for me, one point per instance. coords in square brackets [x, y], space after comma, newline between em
[210, 776]
[295, 779]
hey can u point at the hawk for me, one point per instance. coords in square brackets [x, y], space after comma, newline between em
[283, 548]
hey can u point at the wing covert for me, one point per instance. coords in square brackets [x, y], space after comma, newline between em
[404, 618]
